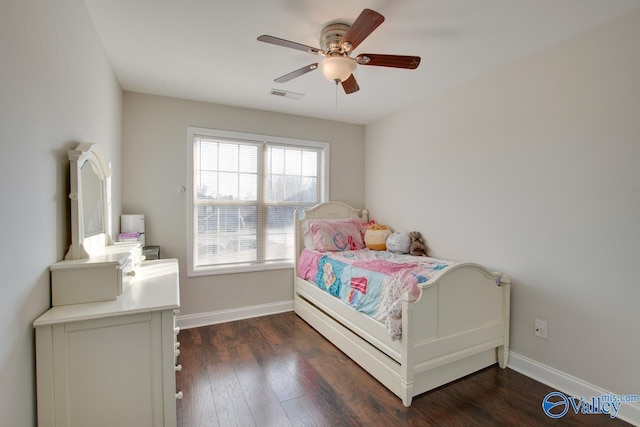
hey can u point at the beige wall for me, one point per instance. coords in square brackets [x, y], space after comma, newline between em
[57, 88]
[533, 170]
[155, 165]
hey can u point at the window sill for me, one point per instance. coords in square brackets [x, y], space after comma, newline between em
[233, 269]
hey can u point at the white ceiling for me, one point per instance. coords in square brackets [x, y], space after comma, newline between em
[206, 50]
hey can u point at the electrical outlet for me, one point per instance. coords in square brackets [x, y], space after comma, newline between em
[541, 328]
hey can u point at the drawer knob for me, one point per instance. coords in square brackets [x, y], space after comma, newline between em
[176, 331]
[179, 395]
[178, 368]
[177, 344]
[131, 273]
[176, 352]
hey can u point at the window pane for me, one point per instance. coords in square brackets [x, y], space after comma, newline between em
[276, 161]
[224, 236]
[298, 182]
[207, 185]
[229, 157]
[310, 163]
[292, 188]
[248, 186]
[249, 215]
[275, 188]
[293, 162]
[208, 153]
[309, 191]
[228, 186]
[248, 158]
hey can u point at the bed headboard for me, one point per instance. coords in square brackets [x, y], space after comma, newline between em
[327, 210]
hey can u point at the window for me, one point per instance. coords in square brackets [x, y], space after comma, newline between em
[245, 189]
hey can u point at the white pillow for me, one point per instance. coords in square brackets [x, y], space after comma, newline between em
[307, 237]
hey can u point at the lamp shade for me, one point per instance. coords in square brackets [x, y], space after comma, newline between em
[337, 68]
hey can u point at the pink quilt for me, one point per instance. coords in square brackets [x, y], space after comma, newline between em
[371, 282]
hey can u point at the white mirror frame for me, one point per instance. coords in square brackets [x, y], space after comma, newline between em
[81, 246]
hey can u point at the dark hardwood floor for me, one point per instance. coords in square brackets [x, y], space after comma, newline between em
[278, 371]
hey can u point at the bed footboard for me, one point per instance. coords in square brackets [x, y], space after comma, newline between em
[458, 325]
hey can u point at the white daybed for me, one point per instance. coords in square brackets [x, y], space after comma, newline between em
[458, 325]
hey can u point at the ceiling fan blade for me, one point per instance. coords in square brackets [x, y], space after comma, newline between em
[297, 73]
[364, 25]
[395, 61]
[290, 44]
[350, 85]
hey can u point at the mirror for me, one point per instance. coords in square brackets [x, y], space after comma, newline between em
[92, 196]
[90, 226]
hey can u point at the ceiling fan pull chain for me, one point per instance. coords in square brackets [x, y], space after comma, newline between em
[336, 95]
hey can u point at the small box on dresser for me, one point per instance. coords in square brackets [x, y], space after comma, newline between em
[98, 278]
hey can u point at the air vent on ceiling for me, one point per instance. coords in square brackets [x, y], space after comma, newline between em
[286, 94]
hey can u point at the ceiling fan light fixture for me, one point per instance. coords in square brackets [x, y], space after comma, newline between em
[337, 41]
[337, 68]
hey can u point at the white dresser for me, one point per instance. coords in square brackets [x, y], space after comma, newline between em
[112, 363]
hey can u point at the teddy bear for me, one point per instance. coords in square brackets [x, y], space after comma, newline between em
[417, 247]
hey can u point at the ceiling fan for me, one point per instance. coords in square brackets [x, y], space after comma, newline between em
[337, 41]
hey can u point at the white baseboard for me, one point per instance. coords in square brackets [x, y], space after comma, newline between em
[203, 319]
[570, 385]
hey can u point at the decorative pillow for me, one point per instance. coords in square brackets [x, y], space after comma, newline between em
[336, 234]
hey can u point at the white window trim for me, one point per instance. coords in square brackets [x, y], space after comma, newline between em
[232, 135]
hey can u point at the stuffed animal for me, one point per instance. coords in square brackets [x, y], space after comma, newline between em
[399, 243]
[417, 247]
[375, 237]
